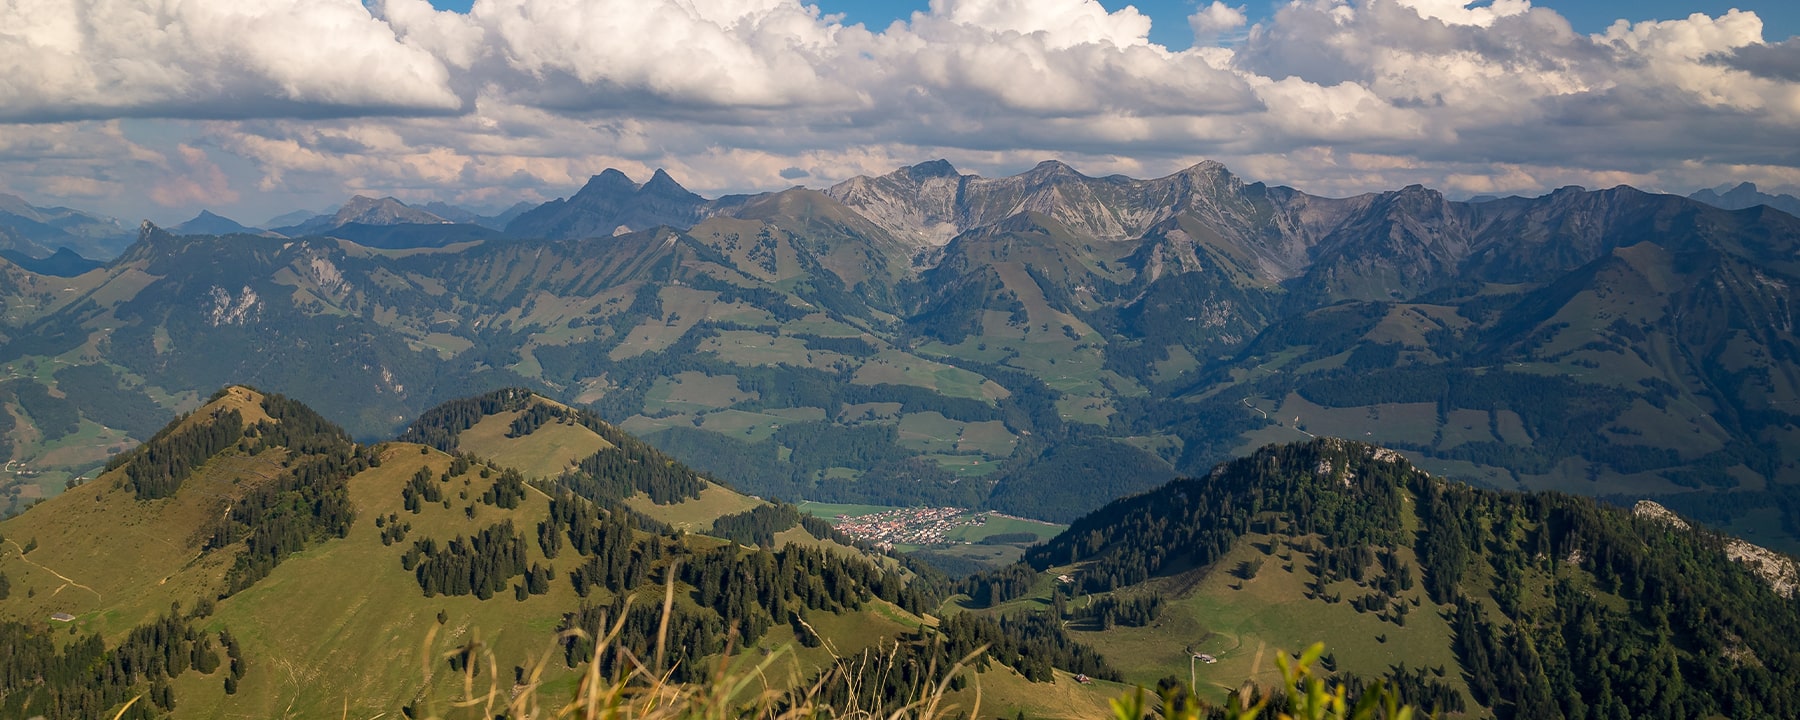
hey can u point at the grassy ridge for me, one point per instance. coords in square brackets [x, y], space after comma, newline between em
[348, 603]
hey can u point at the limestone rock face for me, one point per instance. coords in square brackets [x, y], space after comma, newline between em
[1779, 570]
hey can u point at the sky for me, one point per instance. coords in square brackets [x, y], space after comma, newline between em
[252, 108]
[1781, 18]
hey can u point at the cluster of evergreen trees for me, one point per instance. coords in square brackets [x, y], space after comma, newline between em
[480, 565]
[1425, 689]
[628, 467]
[440, 426]
[758, 525]
[619, 472]
[1032, 643]
[101, 395]
[689, 636]
[423, 487]
[534, 417]
[42, 676]
[727, 591]
[507, 491]
[156, 469]
[308, 502]
[733, 593]
[392, 529]
[55, 417]
[999, 585]
[1344, 495]
[885, 678]
[1108, 611]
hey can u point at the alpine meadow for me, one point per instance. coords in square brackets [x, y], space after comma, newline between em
[1344, 359]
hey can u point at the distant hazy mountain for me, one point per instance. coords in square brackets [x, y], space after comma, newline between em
[34, 231]
[207, 223]
[611, 203]
[1745, 195]
[391, 224]
[363, 210]
[62, 263]
[289, 219]
[496, 221]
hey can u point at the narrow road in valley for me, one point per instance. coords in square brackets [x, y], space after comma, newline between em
[1253, 407]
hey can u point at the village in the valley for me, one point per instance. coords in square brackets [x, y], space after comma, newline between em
[910, 526]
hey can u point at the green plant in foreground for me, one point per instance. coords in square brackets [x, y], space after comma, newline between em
[1306, 694]
[866, 687]
[646, 694]
[856, 688]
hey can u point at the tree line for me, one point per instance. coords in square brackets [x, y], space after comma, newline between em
[308, 502]
[83, 678]
[156, 469]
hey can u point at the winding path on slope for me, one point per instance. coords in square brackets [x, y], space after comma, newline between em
[66, 581]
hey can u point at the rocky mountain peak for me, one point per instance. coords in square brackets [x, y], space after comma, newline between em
[611, 201]
[1418, 198]
[663, 185]
[1052, 170]
[1206, 168]
[939, 168]
[609, 181]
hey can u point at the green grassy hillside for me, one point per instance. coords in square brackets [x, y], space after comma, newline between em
[1510, 604]
[250, 560]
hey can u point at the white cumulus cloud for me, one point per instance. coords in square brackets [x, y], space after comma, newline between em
[526, 98]
[76, 59]
[1212, 20]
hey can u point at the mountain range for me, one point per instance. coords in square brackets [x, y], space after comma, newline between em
[1039, 344]
[1745, 195]
[38, 232]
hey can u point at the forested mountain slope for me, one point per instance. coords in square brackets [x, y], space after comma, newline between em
[1526, 605]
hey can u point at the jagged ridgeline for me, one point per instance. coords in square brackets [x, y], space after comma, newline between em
[252, 560]
[1539, 605]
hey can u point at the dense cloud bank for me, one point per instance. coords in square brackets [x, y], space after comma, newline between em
[313, 98]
